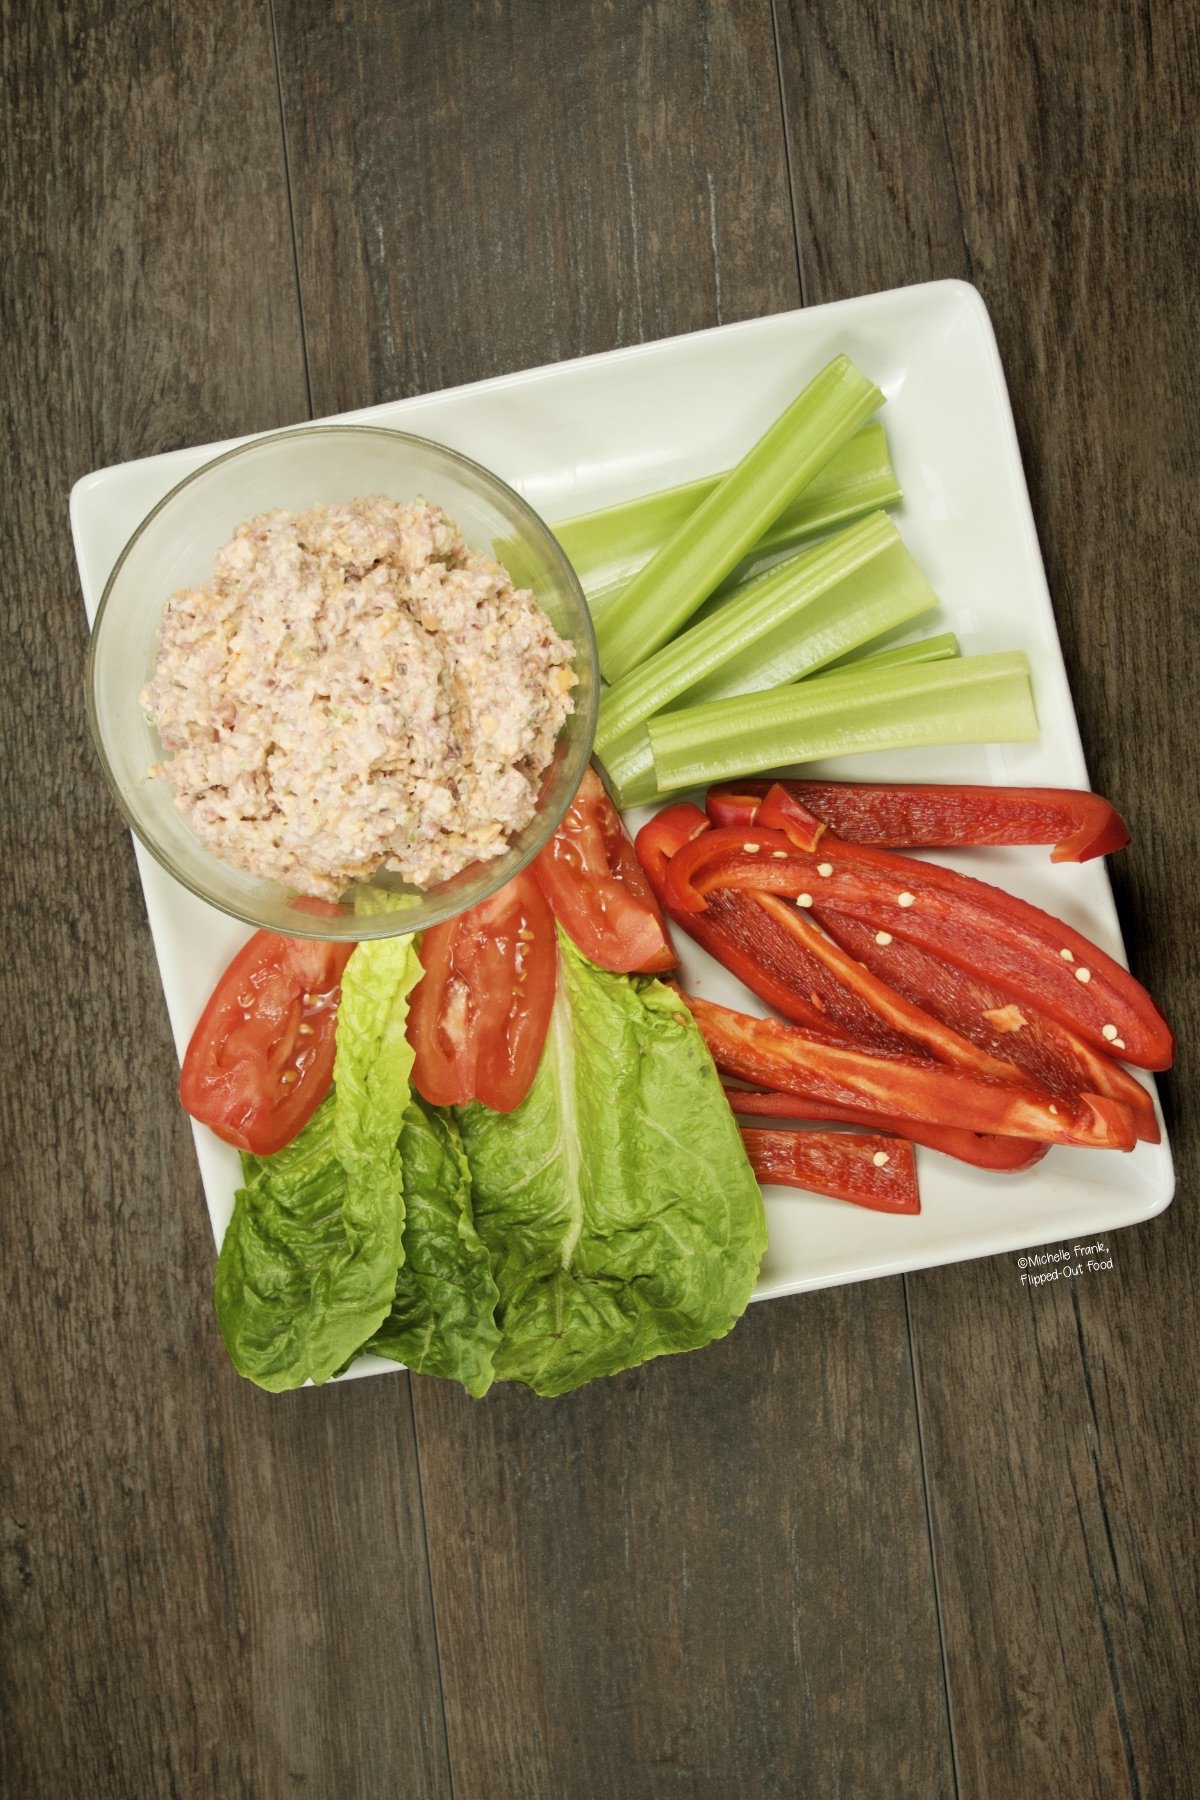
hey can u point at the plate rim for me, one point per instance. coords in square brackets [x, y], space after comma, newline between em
[98, 487]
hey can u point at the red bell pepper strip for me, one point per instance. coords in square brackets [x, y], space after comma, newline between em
[983, 1150]
[926, 815]
[851, 994]
[780, 809]
[735, 807]
[735, 932]
[773, 961]
[783, 958]
[1032, 956]
[668, 831]
[778, 952]
[871, 1171]
[787, 1058]
[1047, 1052]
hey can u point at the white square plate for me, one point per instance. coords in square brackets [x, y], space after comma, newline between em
[578, 435]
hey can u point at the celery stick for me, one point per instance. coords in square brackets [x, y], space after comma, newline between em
[630, 770]
[848, 590]
[629, 760]
[607, 548]
[967, 700]
[921, 650]
[841, 592]
[879, 596]
[857, 479]
[698, 556]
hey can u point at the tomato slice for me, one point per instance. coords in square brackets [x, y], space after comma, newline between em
[260, 1060]
[479, 1014]
[597, 891]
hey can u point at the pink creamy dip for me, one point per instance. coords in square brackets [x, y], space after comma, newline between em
[355, 690]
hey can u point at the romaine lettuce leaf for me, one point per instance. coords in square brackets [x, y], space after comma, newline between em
[307, 1268]
[622, 1216]
[611, 1218]
[443, 1319]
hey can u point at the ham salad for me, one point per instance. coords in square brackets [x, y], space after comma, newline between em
[354, 690]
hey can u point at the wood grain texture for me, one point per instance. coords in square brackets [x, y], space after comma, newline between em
[705, 1577]
[713, 1575]
[487, 186]
[617, 1612]
[184, 1593]
[1049, 155]
[326, 1531]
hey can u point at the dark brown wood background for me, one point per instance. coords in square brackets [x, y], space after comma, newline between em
[917, 1537]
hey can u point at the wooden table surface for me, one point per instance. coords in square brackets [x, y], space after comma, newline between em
[915, 1537]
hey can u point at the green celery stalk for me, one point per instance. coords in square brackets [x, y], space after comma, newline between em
[921, 650]
[837, 594]
[743, 505]
[884, 592]
[608, 547]
[845, 592]
[630, 771]
[966, 700]
[801, 614]
[629, 763]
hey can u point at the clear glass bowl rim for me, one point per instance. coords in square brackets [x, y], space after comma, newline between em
[371, 925]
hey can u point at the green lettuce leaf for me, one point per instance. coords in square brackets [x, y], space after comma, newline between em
[621, 1214]
[307, 1269]
[442, 1320]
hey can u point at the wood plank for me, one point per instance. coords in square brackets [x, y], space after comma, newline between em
[491, 186]
[324, 1515]
[704, 1577]
[710, 1576]
[1044, 154]
[190, 1577]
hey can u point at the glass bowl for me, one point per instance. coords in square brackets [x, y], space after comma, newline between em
[173, 548]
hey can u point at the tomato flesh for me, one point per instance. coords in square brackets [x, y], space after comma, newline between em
[596, 889]
[479, 1014]
[260, 1060]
